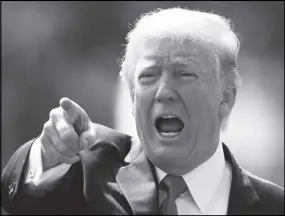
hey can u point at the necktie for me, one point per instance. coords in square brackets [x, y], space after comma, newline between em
[173, 187]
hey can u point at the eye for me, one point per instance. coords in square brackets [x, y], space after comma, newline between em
[185, 73]
[146, 75]
[147, 78]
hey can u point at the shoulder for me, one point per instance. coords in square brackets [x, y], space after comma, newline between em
[265, 187]
[270, 194]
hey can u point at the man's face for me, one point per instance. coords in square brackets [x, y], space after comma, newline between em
[177, 94]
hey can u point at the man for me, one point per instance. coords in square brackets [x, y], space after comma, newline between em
[180, 66]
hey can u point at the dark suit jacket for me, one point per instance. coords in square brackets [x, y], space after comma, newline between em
[102, 183]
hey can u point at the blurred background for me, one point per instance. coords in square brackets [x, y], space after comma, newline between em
[56, 49]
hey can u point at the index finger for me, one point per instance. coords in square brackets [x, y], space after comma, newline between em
[70, 108]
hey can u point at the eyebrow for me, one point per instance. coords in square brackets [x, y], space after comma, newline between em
[181, 59]
[153, 61]
[147, 64]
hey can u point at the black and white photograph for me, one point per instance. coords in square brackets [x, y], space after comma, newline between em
[142, 107]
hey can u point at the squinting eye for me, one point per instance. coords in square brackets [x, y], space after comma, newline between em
[146, 76]
[187, 74]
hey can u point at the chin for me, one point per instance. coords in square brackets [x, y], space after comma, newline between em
[172, 168]
[169, 160]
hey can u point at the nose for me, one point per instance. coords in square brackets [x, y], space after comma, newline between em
[165, 92]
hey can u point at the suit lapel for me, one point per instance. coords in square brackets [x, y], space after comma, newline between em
[242, 193]
[139, 185]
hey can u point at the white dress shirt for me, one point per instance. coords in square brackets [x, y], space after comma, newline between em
[209, 187]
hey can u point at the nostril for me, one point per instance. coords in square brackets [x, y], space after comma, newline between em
[165, 93]
[166, 96]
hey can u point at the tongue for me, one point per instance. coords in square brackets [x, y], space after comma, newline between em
[170, 125]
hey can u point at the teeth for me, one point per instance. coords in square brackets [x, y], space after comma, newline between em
[168, 117]
[169, 134]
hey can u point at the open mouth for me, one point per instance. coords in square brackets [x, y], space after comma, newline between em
[169, 126]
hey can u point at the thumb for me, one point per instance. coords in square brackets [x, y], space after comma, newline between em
[72, 160]
[87, 138]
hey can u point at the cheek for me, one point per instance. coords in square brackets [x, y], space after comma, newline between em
[143, 98]
[199, 102]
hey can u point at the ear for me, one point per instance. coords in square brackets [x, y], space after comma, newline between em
[228, 101]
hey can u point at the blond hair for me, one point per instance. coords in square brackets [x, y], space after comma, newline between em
[179, 24]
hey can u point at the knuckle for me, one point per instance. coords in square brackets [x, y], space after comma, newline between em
[70, 141]
[46, 126]
[86, 135]
[51, 113]
[48, 129]
[54, 113]
[65, 135]
[45, 142]
[63, 129]
[42, 139]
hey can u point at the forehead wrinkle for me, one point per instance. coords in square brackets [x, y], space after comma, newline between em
[181, 59]
[173, 56]
[155, 56]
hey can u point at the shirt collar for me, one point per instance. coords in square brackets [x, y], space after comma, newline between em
[204, 180]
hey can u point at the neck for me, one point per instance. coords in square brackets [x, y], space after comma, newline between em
[195, 159]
